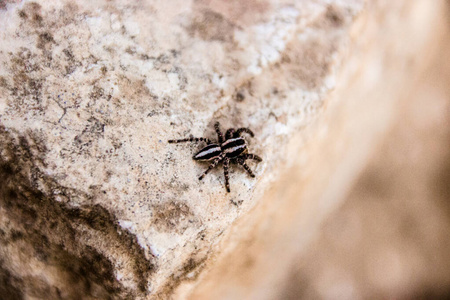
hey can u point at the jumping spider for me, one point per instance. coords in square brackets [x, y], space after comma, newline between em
[232, 149]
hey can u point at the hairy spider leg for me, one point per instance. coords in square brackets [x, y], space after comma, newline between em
[247, 168]
[212, 165]
[219, 133]
[250, 156]
[230, 133]
[191, 139]
[244, 129]
[226, 163]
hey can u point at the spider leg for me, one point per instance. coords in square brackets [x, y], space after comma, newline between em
[250, 156]
[229, 134]
[244, 129]
[191, 139]
[219, 133]
[247, 168]
[212, 166]
[226, 163]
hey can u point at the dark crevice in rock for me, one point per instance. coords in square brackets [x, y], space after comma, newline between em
[50, 232]
[10, 285]
[189, 271]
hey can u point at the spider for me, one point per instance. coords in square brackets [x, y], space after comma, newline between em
[231, 149]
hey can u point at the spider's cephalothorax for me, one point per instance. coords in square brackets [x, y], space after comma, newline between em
[231, 149]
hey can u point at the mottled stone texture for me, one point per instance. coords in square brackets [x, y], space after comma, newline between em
[391, 240]
[96, 204]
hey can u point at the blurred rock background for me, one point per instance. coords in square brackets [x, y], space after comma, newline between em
[390, 239]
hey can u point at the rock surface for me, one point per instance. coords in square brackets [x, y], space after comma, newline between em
[95, 203]
[389, 239]
[91, 93]
[264, 257]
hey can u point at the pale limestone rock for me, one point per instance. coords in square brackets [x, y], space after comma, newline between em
[96, 202]
[262, 256]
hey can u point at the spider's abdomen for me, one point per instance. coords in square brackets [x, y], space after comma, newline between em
[234, 147]
[209, 152]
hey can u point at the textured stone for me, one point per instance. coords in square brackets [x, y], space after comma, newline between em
[268, 255]
[95, 202]
[91, 92]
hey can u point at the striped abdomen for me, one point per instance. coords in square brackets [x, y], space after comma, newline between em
[209, 152]
[234, 147]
